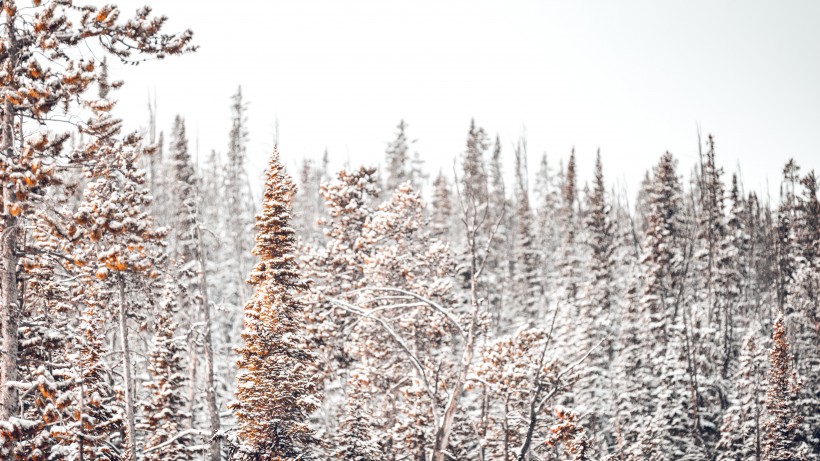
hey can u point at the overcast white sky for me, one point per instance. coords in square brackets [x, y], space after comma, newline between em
[634, 78]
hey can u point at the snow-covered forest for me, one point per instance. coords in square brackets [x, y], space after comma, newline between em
[159, 308]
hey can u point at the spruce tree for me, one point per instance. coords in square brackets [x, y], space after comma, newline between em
[596, 307]
[527, 287]
[740, 431]
[163, 413]
[276, 390]
[397, 158]
[473, 165]
[570, 261]
[783, 422]
[662, 255]
[441, 221]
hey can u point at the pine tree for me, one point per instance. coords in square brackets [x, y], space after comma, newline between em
[715, 295]
[740, 432]
[499, 262]
[442, 216]
[101, 416]
[163, 413]
[569, 268]
[711, 232]
[397, 158]
[355, 440]
[782, 426]
[662, 255]
[337, 267]
[527, 286]
[238, 201]
[402, 257]
[650, 308]
[597, 305]
[120, 245]
[547, 194]
[417, 176]
[577, 446]
[473, 165]
[184, 243]
[40, 49]
[110, 233]
[786, 244]
[803, 307]
[671, 433]
[276, 391]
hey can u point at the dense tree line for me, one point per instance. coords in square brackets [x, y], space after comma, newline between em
[153, 308]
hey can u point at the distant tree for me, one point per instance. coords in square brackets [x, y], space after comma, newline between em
[191, 277]
[163, 413]
[442, 204]
[740, 432]
[474, 165]
[527, 299]
[356, 440]
[238, 202]
[597, 307]
[782, 425]
[397, 158]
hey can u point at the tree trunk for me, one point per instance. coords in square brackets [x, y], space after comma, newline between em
[130, 432]
[210, 391]
[193, 357]
[10, 297]
[10, 311]
[444, 430]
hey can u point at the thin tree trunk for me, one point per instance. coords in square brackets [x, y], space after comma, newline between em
[10, 298]
[444, 430]
[193, 361]
[81, 436]
[130, 431]
[210, 391]
[506, 427]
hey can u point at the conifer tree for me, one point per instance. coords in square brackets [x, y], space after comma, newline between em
[650, 308]
[356, 440]
[99, 416]
[121, 247]
[786, 242]
[661, 259]
[671, 433]
[527, 287]
[397, 158]
[111, 244]
[783, 422]
[34, 87]
[740, 431]
[499, 262]
[548, 199]
[417, 176]
[442, 213]
[596, 307]
[711, 232]
[569, 269]
[600, 239]
[276, 389]
[473, 165]
[337, 267]
[184, 243]
[803, 307]
[192, 274]
[238, 201]
[163, 413]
